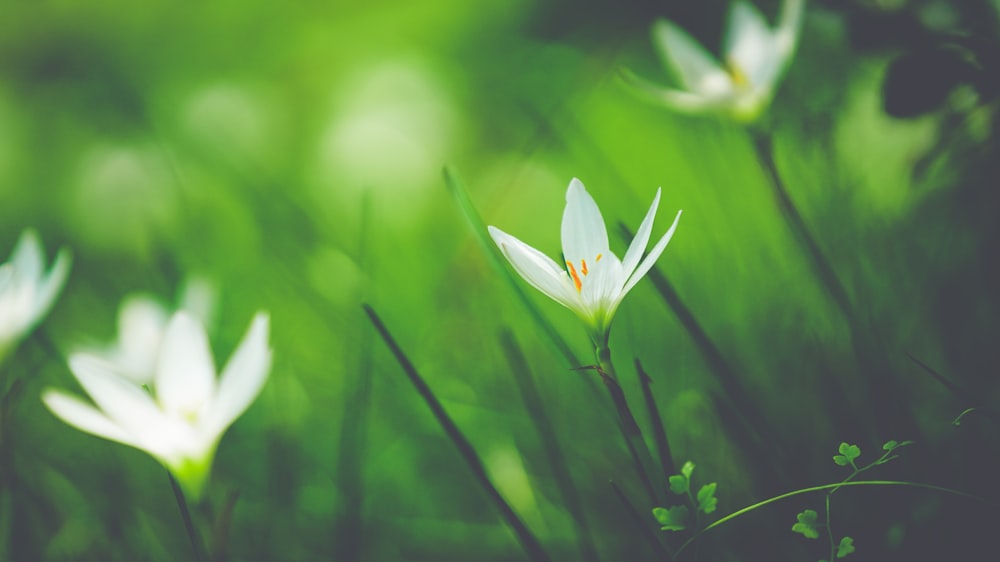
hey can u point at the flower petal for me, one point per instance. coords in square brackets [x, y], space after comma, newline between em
[129, 407]
[85, 417]
[696, 68]
[650, 260]
[584, 235]
[641, 240]
[242, 378]
[28, 256]
[749, 44]
[786, 35]
[537, 269]
[49, 289]
[185, 373]
[678, 100]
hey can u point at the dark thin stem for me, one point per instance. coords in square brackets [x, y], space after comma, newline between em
[528, 541]
[656, 422]
[641, 456]
[738, 398]
[196, 543]
[461, 197]
[550, 444]
[829, 525]
[220, 531]
[958, 391]
[764, 147]
[836, 485]
[642, 524]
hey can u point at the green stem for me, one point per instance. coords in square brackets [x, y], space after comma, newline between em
[829, 526]
[182, 505]
[641, 456]
[834, 486]
[531, 545]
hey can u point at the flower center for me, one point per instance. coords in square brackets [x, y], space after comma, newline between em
[736, 74]
[577, 280]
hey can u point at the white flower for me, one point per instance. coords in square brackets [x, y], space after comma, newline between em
[142, 321]
[594, 281]
[742, 85]
[180, 420]
[27, 292]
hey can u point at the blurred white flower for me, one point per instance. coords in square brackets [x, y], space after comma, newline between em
[180, 420]
[27, 292]
[742, 85]
[142, 321]
[594, 281]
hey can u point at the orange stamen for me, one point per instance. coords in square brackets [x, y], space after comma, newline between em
[576, 278]
[583, 267]
[599, 256]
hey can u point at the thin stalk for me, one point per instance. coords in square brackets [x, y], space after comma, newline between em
[532, 547]
[196, 543]
[959, 391]
[550, 444]
[655, 421]
[739, 399]
[220, 530]
[642, 524]
[461, 196]
[836, 485]
[641, 456]
[829, 526]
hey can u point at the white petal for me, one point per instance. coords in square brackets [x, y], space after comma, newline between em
[85, 417]
[185, 373]
[681, 101]
[142, 321]
[584, 235]
[696, 68]
[28, 257]
[749, 44]
[641, 240]
[537, 269]
[650, 260]
[49, 289]
[129, 407]
[787, 33]
[198, 298]
[242, 378]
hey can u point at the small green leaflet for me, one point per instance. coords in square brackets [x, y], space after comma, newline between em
[845, 547]
[672, 519]
[806, 525]
[847, 454]
[707, 502]
[681, 483]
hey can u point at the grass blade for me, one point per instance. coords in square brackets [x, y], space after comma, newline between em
[643, 524]
[525, 537]
[461, 196]
[656, 422]
[958, 391]
[553, 451]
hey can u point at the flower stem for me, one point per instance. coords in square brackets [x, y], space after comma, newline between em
[834, 486]
[182, 505]
[641, 456]
[531, 545]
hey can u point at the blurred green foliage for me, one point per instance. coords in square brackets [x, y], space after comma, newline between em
[293, 154]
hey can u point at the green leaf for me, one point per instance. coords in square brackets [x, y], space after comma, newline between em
[707, 502]
[892, 445]
[847, 454]
[687, 469]
[679, 484]
[845, 547]
[672, 519]
[806, 525]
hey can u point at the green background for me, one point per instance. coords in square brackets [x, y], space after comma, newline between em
[293, 153]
